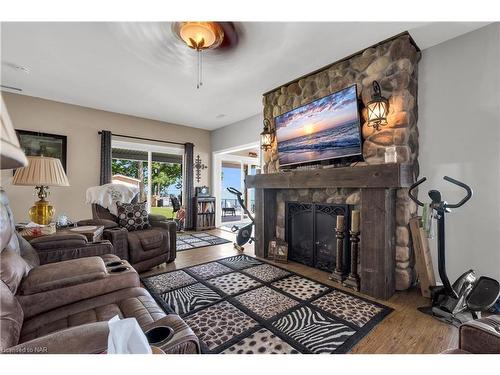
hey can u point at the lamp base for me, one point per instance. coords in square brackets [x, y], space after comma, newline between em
[42, 212]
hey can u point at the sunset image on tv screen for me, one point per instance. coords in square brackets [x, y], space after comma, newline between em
[326, 128]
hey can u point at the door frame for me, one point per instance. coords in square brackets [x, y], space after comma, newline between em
[224, 155]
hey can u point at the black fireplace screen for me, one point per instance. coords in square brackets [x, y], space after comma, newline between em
[310, 233]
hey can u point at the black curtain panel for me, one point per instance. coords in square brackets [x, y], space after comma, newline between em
[106, 157]
[189, 184]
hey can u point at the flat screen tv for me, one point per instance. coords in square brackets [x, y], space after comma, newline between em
[327, 128]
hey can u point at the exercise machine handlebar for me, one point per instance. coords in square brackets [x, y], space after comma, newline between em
[232, 190]
[463, 186]
[413, 196]
[466, 187]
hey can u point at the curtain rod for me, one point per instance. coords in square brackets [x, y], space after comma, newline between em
[145, 139]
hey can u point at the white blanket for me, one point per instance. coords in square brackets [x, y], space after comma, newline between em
[109, 194]
[126, 337]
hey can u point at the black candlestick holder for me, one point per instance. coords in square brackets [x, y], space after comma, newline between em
[352, 280]
[338, 274]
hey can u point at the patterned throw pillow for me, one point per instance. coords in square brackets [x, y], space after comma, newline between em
[133, 216]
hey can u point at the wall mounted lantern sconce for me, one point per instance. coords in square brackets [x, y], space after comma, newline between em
[267, 136]
[377, 108]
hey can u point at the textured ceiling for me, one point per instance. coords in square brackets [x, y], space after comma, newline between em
[141, 69]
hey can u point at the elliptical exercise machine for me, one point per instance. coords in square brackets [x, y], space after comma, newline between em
[244, 233]
[469, 295]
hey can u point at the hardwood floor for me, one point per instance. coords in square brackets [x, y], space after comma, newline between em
[405, 330]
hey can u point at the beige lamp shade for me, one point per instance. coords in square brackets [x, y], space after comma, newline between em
[12, 156]
[41, 171]
[199, 35]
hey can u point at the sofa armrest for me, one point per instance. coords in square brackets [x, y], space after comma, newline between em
[481, 336]
[171, 227]
[98, 222]
[59, 248]
[65, 283]
[63, 274]
[153, 217]
[119, 239]
[85, 339]
[58, 241]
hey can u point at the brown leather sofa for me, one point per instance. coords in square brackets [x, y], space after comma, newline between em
[144, 249]
[480, 336]
[64, 307]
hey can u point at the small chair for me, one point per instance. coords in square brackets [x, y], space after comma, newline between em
[228, 209]
[176, 205]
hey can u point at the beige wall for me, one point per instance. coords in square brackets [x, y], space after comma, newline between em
[81, 125]
[459, 122]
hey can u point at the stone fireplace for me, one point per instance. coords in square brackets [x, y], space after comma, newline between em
[394, 64]
[377, 185]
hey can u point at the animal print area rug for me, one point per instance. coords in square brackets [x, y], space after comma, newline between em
[188, 241]
[243, 305]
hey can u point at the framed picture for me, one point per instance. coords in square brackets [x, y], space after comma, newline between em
[281, 252]
[271, 249]
[43, 144]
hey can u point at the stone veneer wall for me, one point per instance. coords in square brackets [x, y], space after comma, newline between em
[394, 64]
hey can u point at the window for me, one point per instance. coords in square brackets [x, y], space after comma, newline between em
[155, 170]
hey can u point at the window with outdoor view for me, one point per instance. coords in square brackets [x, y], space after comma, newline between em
[131, 167]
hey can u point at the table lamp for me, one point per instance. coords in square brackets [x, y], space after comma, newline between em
[41, 172]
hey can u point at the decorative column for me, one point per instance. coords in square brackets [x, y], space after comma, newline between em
[352, 280]
[338, 274]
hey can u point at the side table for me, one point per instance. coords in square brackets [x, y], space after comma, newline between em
[92, 232]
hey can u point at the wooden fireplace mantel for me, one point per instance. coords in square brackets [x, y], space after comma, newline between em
[378, 184]
[365, 176]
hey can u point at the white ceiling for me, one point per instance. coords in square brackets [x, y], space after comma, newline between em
[141, 69]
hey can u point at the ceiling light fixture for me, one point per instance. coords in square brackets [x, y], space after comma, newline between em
[199, 36]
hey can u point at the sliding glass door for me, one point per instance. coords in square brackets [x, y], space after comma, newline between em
[156, 171]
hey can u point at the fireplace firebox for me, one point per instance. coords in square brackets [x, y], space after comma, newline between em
[310, 234]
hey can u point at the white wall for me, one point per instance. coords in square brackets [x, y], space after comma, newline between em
[237, 134]
[230, 138]
[80, 125]
[459, 123]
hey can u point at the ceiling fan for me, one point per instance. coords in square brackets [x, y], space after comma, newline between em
[201, 36]
[161, 43]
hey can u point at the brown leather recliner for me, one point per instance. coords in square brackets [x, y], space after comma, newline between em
[144, 249]
[63, 307]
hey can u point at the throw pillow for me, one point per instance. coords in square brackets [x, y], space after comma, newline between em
[133, 216]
